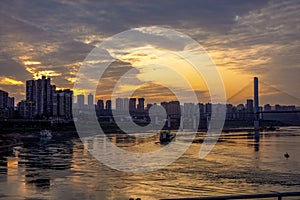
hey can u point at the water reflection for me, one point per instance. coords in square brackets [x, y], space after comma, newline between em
[254, 138]
[64, 169]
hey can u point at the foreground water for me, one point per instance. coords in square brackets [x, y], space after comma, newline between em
[62, 168]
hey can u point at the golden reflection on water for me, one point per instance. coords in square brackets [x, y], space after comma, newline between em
[234, 166]
[12, 163]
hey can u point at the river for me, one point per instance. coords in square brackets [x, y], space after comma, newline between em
[62, 168]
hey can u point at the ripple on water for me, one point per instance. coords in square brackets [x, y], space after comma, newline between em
[61, 169]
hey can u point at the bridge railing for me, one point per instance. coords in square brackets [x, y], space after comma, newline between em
[278, 195]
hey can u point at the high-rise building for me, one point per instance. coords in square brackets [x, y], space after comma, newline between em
[249, 105]
[249, 109]
[30, 100]
[62, 104]
[68, 104]
[141, 104]
[208, 109]
[240, 107]
[229, 111]
[278, 107]
[201, 109]
[91, 100]
[39, 93]
[149, 105]
[4, 113]
[164, 104]
[80, 101]
[100, 105]
[11, 102]
[188, 109]
[26, 109]
[172, 108]
[31, 90]
[241, 111]
[119, 104]
[126, 104]
[132, 104]
[3, 99]
[43, 96]
[285, 108]
[267, 107]
[108, 105]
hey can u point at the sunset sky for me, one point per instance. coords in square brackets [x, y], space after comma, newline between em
[243, 38]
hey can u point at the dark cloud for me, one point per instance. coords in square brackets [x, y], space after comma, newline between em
[257, 37]
[11, 68]
[111, 76]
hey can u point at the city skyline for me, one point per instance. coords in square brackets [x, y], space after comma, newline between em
[171, 96]
[44, 99]
[87, 99]
[139, 99]
[242, 39]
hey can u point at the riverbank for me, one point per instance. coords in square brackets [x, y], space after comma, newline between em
[8, 142]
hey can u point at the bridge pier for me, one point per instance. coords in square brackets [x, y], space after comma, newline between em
[256, 105]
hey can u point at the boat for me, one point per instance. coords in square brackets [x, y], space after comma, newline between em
[166, 136]
[46, 133]
[286, 155]
[271, 128]
[268, 128]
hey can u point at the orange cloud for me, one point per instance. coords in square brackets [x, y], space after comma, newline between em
[31, 62]
[10, 81]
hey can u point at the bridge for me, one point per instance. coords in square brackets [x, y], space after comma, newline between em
[266, 89]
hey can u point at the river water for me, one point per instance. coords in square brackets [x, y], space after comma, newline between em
[62, 168]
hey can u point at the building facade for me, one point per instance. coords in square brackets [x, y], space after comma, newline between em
[132, 104]
[91, 101]
[141, 104]
[6, 105]
[39, 94]
[119, 104]
[44, 101]
[62, 104]
[80, 101]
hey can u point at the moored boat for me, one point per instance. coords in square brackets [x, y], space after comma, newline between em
[166, 136]
[46, 133]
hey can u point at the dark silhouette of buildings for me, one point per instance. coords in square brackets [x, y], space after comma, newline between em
[80, 101]
[141, 104]
[100, 105]
[62, 104]
[172, 108]
[108, 105]
[91, 100]
[6, 105]
[40, 93]
[267, 107]
[119, 105]
[132, 105]
[3, 99]
[43, 101]
[26, 109]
